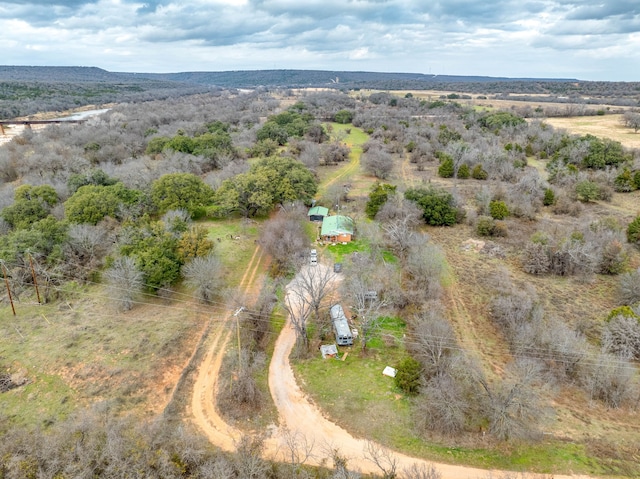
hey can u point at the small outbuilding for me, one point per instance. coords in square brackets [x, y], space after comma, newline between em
[317, 213]
[337, 229]
[329, 351]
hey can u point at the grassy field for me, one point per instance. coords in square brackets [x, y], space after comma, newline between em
[607, 126]
[234, 242]
[339, 174]
[80, 350]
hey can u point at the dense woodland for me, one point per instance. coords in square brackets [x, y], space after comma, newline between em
[121, 200]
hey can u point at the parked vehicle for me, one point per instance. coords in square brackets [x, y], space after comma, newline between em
[341, 329]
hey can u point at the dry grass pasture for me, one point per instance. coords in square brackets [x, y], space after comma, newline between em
[606, 126]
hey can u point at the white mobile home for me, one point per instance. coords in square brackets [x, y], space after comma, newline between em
[340, 326]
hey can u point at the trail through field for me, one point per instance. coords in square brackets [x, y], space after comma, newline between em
[347, 170]
[203, 405]
[405, 165]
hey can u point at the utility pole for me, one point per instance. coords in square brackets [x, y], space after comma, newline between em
[6, 282]
[236, 314]
[35, 280]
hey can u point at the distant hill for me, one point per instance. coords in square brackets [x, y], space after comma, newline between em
[60, 74]
[253, 78]
[26, 90]
[331, 78]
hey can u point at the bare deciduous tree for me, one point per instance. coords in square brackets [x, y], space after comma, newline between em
[125, 281]
[204, 275]
[399, 219]
[567, 349]
[632, 120]
[314, 284]
[248, 458]
[340, 469]
[177, 221]
[363, 288]
[284, 238]
[434, 340]
[422, 472]
[609, 379]
[443, 405]
[299, 310]
[85, 248]
[383, 458]
[621, 337]
[377, 162]
[514, 406]
[425, 267]
[629, 287]
[298, 448]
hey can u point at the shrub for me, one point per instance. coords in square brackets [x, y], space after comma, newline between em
[633, 232]
[45, 193]
[485, 226]
[94, 177]
[23, 213]
[549, 197]
[438, 206]
[446, 170]
[478, 173]
[613, 257]
[408, 375]
[343, 116]
[535, 258]
[92, 203]
[587, 191]
[566, 206]
[377, 198]
[500, 229]
[623, 311]
[463, 171]
[625, 182]
[498, 210]
[629, 287]
[621, 336]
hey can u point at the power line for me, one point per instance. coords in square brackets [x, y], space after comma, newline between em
[410, 339]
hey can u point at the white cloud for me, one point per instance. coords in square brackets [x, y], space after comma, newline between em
[524, 38]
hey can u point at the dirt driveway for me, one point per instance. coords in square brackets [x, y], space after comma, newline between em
[303, 429]
[302, 419]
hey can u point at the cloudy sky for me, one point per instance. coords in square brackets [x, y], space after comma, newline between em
[584, 39]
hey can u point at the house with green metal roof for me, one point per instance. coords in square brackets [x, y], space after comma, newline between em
[317, 213]
[337, 229]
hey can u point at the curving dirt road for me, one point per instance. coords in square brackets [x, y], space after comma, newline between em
[301, 417]
[203, 404]
[301, 424]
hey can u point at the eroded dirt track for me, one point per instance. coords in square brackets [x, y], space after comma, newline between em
[203, 405]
